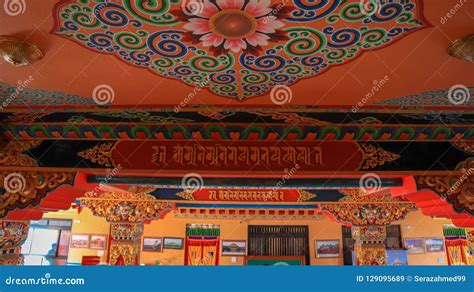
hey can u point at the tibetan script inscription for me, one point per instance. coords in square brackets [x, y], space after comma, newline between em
[231, 195]
[218, 155]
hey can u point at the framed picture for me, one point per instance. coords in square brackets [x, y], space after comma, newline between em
[234, 247]
[415, 245]
[98, 241]
[153, 244]
[173, 243]
[397, 257]
[328, 248]
[434, 244]
[80, 241]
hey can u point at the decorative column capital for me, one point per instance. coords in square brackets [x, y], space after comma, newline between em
[126, 207]
[12, 236]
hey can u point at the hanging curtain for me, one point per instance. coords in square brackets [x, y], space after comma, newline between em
[456, 246]
[470, 247]
[202, 245]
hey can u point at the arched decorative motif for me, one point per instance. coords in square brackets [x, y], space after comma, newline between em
[359, 209]
[237, 49]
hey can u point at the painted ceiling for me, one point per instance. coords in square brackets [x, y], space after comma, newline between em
[240, 52]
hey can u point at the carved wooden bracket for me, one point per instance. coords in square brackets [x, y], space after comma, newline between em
[360, 209]
[458, 190]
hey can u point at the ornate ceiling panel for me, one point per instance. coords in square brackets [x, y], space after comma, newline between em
[236, 48]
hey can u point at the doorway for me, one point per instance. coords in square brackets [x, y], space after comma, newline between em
[278, 241]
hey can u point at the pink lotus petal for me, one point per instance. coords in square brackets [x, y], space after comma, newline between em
[230, 4]
[258, 8]
[235, 45]
[268, 24]
[258, 39]
[208, 10]
[197, 26]
[211, 39]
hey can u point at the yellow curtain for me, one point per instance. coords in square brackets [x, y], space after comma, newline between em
[209, 254]
[194, 254]
[457, 252]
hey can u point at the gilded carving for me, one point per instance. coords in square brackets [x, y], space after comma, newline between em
[127, 207]
[374, 156]
[305, 196]
[12, 154]
[28, 188]
[465, 146]
[368, 209]
[186, 194]
[100, 154]
[12, 236]
[369, 247]
[457, 189]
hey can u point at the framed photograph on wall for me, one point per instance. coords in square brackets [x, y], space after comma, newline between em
[328, 248]
[173, 243]
[234, 247]
[415, 245]
[98, 241]
[153, 244]
[80, 241]
[434, 245]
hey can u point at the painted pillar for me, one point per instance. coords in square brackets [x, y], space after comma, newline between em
[12, 236]
[125, 243]
[369, 247]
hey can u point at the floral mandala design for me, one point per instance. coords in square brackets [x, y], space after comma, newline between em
[234, 25]
[236, 48]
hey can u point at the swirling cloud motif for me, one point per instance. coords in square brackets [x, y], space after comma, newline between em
[239, 48]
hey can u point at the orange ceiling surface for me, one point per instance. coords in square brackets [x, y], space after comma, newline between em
[410, 62]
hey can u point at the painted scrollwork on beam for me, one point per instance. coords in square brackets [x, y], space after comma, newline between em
[466, 146]
[127, 207]
[21, 189]
[456, 189]
[100, 154]
[359, 209]
[374, 156]
[13, 153]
